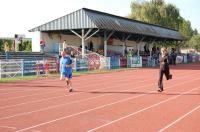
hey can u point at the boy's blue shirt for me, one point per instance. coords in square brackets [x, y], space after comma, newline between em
[66, 61]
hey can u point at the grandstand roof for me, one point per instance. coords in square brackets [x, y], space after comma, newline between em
[86, 19]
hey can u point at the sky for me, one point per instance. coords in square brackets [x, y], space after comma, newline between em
[18, 16]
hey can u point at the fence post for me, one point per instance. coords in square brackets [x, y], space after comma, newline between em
[0, 68]
[75, 64]
[22, 67]
[109, 63]
[37, 64]
[119, 62]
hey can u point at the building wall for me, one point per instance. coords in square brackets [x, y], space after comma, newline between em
[53, 40]
[35, 41]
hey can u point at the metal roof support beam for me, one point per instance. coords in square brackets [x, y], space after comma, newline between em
[105, 43]
[127, 37]
[76, 33]
[92, 35]
[82, 40]
[110, 34]
[87, 33]
[117, 37]
[83, 43]
[151, 48]
[138, 43]
[124, 39]
[124, 44]
[106, 40]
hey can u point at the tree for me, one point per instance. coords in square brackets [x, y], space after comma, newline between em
[159, 13]
[26, 45]
[1, 45]
[194, 42]
[186, 29]
[195, 32]
[8, 44]
[156, 12]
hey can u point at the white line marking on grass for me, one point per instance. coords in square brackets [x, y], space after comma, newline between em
[96, 108]
[134, 113]
[179, 119]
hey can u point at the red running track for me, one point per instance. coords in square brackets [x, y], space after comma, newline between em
[117, 101]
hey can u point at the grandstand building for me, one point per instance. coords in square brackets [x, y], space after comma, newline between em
[107, 32]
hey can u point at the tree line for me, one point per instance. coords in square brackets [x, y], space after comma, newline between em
[168, 15]
[7, 45]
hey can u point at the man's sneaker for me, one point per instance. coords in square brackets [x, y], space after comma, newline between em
[71, 90]
[160, 90]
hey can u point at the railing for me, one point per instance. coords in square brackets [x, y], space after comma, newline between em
[11, 68]
[91, 61]
[20, 67]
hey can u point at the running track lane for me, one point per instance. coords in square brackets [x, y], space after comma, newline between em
[15, 110]
[16, 101]
[143, 91]
[106, 114]
[187, 122]
[144, 99]
[94, 83]
[156, 118]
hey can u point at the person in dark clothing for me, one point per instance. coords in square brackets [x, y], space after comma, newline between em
[173, 56]
[164, 69]
[91, 46]
[146, 49]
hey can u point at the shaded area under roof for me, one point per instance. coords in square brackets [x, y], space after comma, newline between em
[90, 19]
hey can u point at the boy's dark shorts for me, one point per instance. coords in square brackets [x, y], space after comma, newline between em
[68, 75]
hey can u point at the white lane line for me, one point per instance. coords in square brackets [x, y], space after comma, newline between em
[65, 104]
[126, 79]
[78, 85]
[93, 84]
[22, 91]
[96, 108]
[134, 113]
[4, 107]
[46, 99]
[31, 95]
[179, 119]
[7, 127]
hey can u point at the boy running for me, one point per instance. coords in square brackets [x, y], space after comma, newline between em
[67, 70]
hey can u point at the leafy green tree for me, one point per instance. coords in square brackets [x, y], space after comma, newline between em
[167, 15]
[156, 12]
[26, 45]
[1, 45]
[195, 32]
[194, 42]
[8, 43]
[186, 29]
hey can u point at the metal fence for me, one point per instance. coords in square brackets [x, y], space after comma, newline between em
[19, 67]
[12, 68]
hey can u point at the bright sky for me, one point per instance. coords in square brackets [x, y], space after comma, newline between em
[18, 16]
